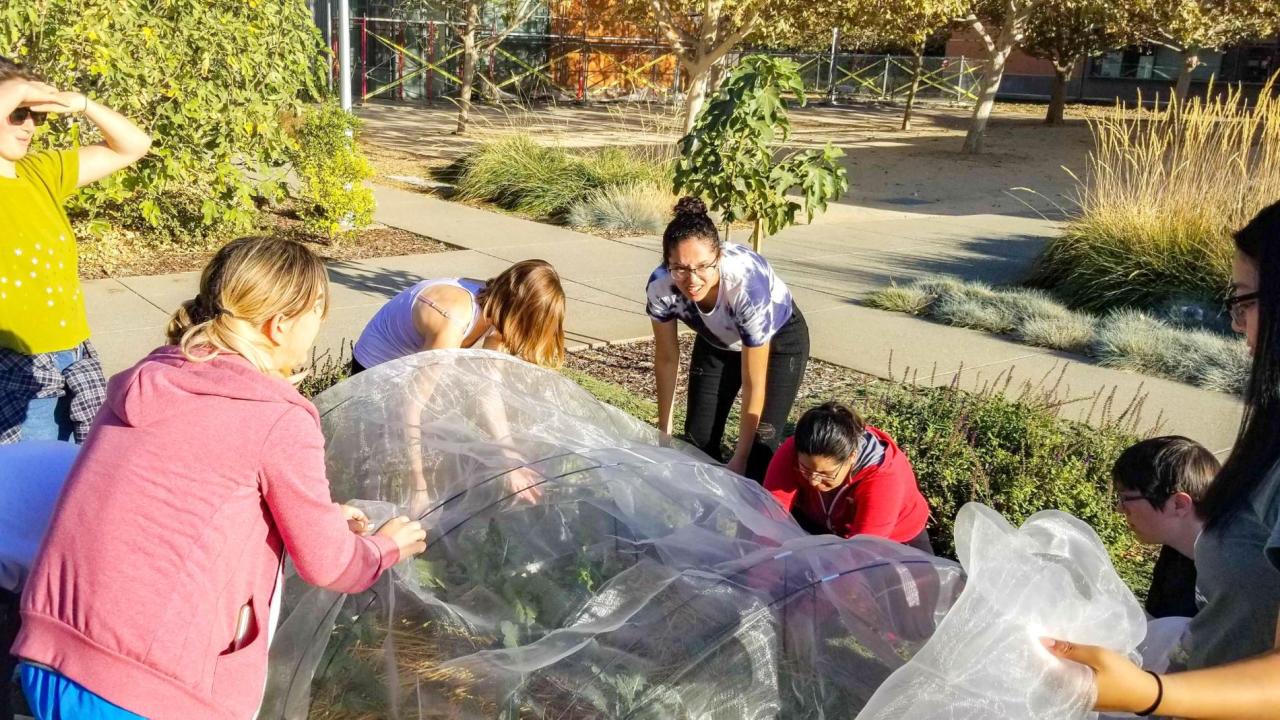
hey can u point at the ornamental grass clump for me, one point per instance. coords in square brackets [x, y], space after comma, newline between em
[635, 208]
[518, 173]
[1163, 190]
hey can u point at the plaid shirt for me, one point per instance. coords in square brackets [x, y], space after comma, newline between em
[24, 378]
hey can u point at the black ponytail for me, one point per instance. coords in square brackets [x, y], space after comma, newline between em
[831, 430]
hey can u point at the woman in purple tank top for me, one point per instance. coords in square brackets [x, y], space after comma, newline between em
[521, 312]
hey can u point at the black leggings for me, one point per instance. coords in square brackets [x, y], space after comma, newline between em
[715, 376]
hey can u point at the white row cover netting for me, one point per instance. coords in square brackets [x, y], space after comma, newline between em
[580, 565]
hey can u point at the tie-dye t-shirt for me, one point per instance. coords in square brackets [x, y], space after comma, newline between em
[752, 306]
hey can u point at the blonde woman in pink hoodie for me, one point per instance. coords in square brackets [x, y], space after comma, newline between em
[152, 594]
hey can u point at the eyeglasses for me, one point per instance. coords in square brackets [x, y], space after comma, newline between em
[19, 116]
[1238, 304]
[683, 272]
[821, 477]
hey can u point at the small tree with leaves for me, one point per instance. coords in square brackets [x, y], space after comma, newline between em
[729, 156]
[910, 24]
[1193, 26]
[1064, 31]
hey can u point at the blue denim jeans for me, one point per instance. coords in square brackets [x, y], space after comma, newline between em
[50, 418]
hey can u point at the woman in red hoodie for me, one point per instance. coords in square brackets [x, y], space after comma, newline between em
[839, 475]
[152, 594]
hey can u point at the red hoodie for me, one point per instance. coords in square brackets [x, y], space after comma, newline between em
[195, 479]
[881, 499]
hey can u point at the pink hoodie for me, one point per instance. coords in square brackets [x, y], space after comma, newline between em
[195, 480]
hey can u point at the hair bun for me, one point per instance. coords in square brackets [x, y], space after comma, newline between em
[690, 206]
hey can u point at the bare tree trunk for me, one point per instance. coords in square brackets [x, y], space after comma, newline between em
[917, 69]
[1058, 98]
[695, 95]
[469, 62]
[988, 86]
[1190, 61]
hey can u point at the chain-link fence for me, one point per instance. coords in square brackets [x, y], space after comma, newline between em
[421, 61]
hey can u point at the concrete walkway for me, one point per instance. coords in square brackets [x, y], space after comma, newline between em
[830, 265]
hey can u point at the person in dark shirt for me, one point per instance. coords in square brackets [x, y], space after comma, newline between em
[1158, 483]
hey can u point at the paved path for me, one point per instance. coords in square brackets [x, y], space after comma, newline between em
[829, 265]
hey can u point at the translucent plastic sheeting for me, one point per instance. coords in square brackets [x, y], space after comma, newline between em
[1051, 577]
[580, 565]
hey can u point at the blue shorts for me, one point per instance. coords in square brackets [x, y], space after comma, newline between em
[55, 697]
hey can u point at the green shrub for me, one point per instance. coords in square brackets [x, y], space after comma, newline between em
[1012, 453]
[519, 174]
[634, 208]
[1162, 192]
[1015, 455]
[333, 199]
[213, 81]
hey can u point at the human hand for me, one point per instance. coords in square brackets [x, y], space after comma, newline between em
[42, 97]
[408, 535]
[1121, 685]
[357, 521]
[523, 483]
[737, 464]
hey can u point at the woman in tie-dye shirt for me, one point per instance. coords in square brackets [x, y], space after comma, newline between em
[751, 336]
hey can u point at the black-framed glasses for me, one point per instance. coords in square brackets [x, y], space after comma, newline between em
[1237, 304]
[20, 115]
[683, 272]
[1123, 499]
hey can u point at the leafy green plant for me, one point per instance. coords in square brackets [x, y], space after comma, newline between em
[729, 155]
[333, 198]
[1004, 446]
[213, 81]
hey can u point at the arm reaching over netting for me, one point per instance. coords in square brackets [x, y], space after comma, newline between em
[646, 582]
[986, 661]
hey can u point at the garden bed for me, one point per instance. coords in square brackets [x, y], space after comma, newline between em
[1005, 446]
[120, 253]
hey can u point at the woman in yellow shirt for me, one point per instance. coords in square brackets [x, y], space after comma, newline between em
[51, 383]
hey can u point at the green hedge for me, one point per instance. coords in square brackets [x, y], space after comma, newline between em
[217, 83]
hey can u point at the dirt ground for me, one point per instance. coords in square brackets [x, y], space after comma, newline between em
[123, 254]
[1029, 164]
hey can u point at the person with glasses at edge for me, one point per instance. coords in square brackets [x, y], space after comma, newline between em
[750, 337]
[1159, 484]
[51, 383]
[1236, 674]
[841, 476]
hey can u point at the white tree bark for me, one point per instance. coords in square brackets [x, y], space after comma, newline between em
[469, 62]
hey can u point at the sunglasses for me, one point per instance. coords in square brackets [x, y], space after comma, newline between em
[19, 116]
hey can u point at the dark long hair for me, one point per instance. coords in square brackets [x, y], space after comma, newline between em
[1257, 446]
